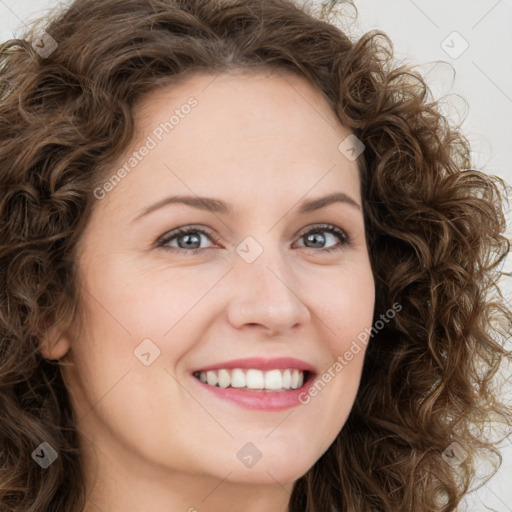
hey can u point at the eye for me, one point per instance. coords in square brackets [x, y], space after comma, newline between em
[188, 238]
[316, 237]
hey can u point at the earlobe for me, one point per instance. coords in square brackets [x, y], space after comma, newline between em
[54, 344]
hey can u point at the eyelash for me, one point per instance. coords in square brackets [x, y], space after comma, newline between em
[345, 240]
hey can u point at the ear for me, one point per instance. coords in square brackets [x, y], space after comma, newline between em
[54, 343]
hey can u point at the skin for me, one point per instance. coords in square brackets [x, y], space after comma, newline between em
[152, 439]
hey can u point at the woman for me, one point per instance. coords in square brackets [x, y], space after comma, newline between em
[245, 264]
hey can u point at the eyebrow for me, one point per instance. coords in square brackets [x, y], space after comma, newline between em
[213, 205]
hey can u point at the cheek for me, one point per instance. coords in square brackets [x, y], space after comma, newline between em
[128, 299]
[345, 307]
[344, 303]
[130, 313]
[331, 397]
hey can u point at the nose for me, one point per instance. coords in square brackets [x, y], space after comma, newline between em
[264, 295]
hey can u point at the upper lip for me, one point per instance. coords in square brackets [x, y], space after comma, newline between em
[260, 363]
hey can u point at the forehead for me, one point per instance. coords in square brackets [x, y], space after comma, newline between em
[282, 87]
[270, 136]
[246, 105]
[242, 116]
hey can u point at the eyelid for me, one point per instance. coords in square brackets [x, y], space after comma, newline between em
[173, 233]
[346, 239]
[319, 227]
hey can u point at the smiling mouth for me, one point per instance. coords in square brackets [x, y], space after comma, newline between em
[252, 379]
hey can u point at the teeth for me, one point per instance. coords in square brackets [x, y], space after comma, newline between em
[296, 380]
[273, 380]
[287, 379]
[224, 379]
[238, 379]
[211, 378]
[253, 379]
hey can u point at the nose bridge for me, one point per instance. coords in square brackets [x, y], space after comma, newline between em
[264, 290]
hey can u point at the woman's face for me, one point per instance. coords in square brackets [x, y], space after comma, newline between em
[257, 283]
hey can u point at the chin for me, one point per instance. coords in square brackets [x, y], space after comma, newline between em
[269, 469]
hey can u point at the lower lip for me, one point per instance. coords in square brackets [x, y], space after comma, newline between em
[259, 399]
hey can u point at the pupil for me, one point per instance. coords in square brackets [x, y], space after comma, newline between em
[189, 239]
[317, 238]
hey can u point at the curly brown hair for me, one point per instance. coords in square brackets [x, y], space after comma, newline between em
[436, 232]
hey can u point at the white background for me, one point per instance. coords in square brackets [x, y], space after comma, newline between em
[482, 75]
